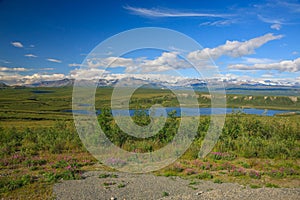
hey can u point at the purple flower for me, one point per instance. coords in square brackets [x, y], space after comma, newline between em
[68, 167]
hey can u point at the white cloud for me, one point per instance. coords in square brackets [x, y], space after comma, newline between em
[270, 21]
[171, 61]
[17, 44]
[14, 69]
[29, 79]
[118, 61]
[276, 26]
[87, 74]
[276, 23]
[295, 52]
[14, 78]
[47, 69]
[219, 23]
[233, 48]
[76, 65]
[9, 77]
[30, 55]
[54, 60]
[167, 61]
[293, 7]
[110, 62]
[249, 60]
[282, 66]
[170, 13]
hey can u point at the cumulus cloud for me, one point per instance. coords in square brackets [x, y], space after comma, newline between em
[233, 48]
[91, 73]
[171, 60]
[13, 69]
[170, 13]
[166, 61]
[30, 55]
[29, 79]
[54, 60]
[282, 66]
[13, 78]
[17, 44]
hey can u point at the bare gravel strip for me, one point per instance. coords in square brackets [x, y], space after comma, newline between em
[147, 186]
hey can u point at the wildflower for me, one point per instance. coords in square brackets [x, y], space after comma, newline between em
[68, 167]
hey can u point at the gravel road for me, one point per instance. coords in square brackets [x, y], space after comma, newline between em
[120, 186]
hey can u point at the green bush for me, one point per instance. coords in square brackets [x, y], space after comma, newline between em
[205, 175]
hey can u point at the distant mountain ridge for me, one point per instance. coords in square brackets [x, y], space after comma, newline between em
[194, 83]
[55, 83]
[3, 85]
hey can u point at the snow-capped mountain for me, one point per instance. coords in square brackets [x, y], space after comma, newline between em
[158, 83]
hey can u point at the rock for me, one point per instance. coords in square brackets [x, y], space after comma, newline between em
[199, 193]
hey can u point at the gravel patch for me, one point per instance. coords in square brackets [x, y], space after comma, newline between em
[121, 186]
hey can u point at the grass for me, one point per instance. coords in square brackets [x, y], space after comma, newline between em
[109, 183]
[103, 175]
[165, 194]
[205, 175]
[108, 176]
[271, 185]
[218, 181]
[39, 145]
[255, 186]
[121, 185]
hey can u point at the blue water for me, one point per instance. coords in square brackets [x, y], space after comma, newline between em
[189, 111]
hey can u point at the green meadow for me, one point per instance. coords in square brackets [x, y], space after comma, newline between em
[39, 145]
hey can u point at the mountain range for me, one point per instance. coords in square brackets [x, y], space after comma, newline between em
[231, 85]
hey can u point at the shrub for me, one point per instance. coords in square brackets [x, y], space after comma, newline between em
[204, 175]
[189, 171]
[165, 194]
[271, 185]
[109, 183]
[121, 185]
[255, 174]
[222, 156]
[108, 175]
[238, 172]
[254, 186]
[103, 176]
[218, 181]
[177, 167]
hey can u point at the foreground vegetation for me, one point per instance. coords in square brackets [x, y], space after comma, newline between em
[40, 146]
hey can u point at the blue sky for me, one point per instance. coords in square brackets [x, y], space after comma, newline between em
[48, 40]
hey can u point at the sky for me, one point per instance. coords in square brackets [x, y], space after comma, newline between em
[247, 40]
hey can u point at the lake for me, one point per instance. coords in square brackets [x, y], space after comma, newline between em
[189, 111]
